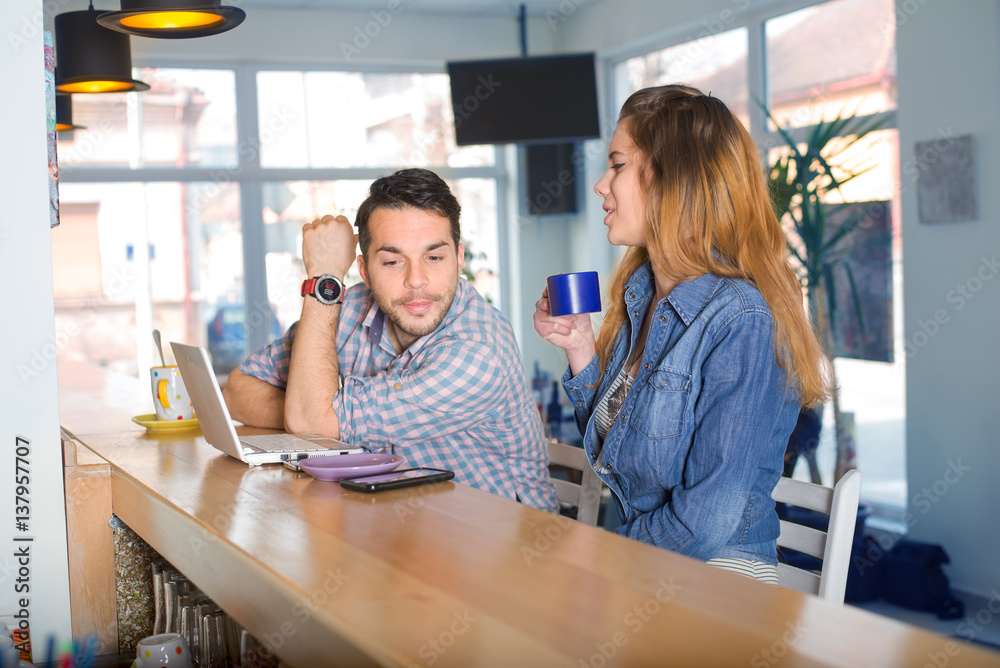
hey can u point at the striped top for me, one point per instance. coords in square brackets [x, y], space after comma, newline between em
[756, 570]
[456, 399]
[611, 403]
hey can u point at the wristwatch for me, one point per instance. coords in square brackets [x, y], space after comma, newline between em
[326, 289]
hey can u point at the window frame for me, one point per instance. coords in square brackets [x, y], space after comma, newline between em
[251, 176]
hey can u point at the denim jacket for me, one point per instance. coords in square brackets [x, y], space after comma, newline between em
[697, 447]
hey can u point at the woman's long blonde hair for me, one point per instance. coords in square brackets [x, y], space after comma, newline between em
[708, 210]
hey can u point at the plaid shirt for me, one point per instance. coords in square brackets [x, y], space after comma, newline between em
[456, 399]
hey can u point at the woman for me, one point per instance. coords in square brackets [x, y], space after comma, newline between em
[688, 395]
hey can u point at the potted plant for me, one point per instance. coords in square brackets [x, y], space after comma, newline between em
[819, 233]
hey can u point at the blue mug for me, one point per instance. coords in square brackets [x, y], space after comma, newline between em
[574, 293]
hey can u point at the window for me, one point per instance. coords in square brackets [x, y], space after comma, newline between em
[834, 58]
[714, 64]
[140, 256]
[826, 59]
[154, 230]
[187, 118]
[360, 119]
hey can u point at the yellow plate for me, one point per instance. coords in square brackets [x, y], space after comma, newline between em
[153, 423]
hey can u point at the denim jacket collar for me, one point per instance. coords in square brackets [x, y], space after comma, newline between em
[687, 299]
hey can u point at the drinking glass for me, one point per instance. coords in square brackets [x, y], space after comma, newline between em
[159, 604]
[255, 654]
[174, 586]
[234, 632]
[212, 650]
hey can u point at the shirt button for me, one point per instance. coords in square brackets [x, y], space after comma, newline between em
[624, 417]
[608, 467]
[663, 318]
[593, 457]
[631, 295]
[646, 365]
[635, 314]
[398, 386]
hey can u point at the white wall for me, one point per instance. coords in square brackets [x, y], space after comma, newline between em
[949, 71]
[28, 387]
[331, 38]
[615, 26]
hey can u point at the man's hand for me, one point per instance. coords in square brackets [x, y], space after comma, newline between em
[328, 246]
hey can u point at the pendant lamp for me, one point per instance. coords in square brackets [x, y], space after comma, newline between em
[173, 19]
[91, 58]
[64, 114]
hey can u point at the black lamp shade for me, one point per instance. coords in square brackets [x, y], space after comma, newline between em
[173, 19]
[90, 58]
[64, 114]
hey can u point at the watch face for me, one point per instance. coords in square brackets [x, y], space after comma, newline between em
[329, 291]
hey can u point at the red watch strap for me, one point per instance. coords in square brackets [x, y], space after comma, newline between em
[308, 285]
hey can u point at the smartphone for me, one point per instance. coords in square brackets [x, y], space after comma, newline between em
[396, 479]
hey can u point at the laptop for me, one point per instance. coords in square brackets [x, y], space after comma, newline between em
[217, 426]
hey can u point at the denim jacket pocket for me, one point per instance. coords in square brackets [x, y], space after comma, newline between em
[659, 412]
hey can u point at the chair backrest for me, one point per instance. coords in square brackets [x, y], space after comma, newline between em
[586, 496]
[832, 546]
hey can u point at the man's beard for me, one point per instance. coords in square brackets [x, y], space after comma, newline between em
[394, 312]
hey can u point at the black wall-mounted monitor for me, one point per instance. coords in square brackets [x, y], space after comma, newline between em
[533, 100]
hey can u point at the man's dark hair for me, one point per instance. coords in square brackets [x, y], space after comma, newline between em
[414, 188]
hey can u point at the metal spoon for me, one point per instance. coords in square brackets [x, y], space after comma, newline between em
[159, 346]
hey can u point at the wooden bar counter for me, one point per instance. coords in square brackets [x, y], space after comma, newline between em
[445, 574]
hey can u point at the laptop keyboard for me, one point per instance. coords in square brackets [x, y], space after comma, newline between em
[280, 443]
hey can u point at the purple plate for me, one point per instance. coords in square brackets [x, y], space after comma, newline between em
[338, 467]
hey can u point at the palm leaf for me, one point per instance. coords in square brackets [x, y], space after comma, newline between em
[800, 195]
[856, 298]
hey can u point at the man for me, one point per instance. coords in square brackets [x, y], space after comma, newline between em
[414, 361]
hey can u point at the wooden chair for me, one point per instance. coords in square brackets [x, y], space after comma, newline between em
[585, 496]
[832, 546]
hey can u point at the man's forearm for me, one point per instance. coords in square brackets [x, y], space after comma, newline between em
[254, 402]
[314, 372]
